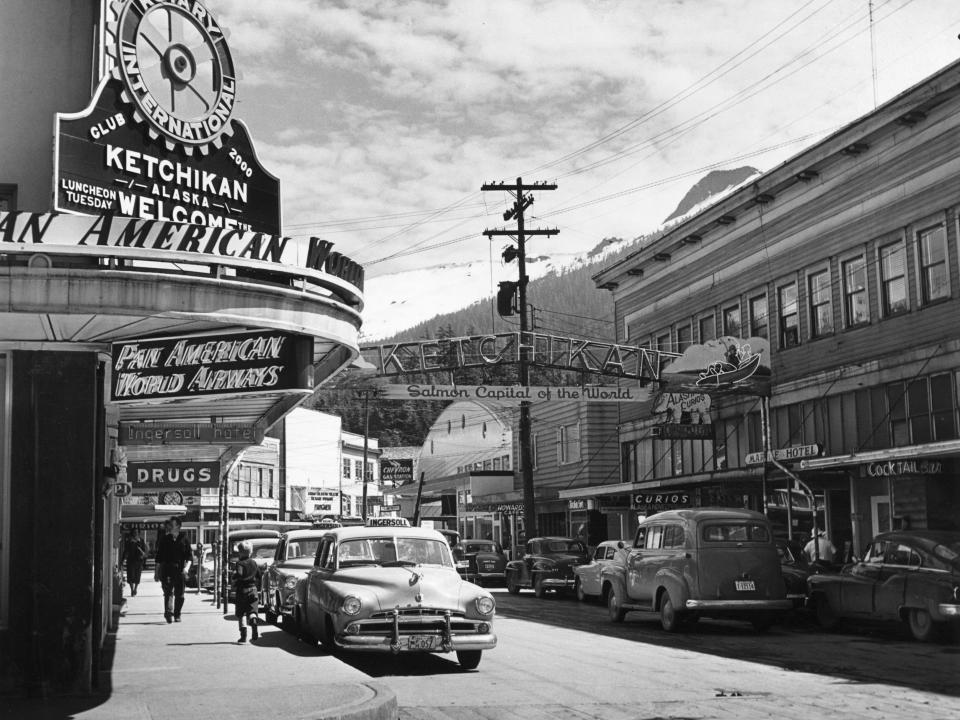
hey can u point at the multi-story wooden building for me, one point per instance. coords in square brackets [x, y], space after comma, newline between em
[846, 260]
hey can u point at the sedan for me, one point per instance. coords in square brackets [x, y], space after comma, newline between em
[393, 588]
[905, 576]
[292, 559]
[485, 561]
[587, 584]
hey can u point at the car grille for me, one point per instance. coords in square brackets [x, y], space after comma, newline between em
[419, 621]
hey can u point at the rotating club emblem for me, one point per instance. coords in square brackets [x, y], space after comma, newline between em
[177, 72]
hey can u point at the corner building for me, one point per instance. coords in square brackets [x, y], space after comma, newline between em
[148, 335]
[845, 260]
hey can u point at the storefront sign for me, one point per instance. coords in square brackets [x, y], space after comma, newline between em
[676, 431]
[580, 504]
[166, 241]
[726, 365]
[148, 433]
[507, 394]
[796, 452]
[664, 500]
[173, 475]
[505, 508]
[204, 365]
[625, 361]
[904, 467]
[389, 508]
[686, 408]
[396, 472]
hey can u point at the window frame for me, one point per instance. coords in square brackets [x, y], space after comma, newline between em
[811, 309]
[846, 316]
[886, 310]
[735, 306]
[921, 268]
[677, 330]
[751, 298]
[710, 316]
[564, 442]
[780, 287]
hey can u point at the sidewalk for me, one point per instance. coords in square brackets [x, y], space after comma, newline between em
[196, 668]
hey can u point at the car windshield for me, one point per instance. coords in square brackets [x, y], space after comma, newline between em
[263, 551]
[564, 546]
[393, 551]
[736, 532]
[302, 548]
[949, 553]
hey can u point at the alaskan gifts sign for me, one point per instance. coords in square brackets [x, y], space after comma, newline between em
[205, 365]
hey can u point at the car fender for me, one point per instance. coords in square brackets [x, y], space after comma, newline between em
[674, 583]
[611, 580]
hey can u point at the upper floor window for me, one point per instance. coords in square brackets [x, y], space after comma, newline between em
[8, 197]
[821, 305]
[758, 316]
[789, 315]
[893, 279]
[663, 342]
[568, 443]
[731, 320]
[855, 308]
[934, 278]
[707, 328]
[346, 469]
[684, 337]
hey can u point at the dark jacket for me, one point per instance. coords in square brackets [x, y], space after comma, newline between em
[174, 551]
[246, 579]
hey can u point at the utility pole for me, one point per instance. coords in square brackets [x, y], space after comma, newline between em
[521, 203]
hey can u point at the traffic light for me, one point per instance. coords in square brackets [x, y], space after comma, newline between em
[506, 296]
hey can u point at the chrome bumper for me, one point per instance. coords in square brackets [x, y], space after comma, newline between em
[951, 610]
[559, 582]
[735, 605]
[384, 643]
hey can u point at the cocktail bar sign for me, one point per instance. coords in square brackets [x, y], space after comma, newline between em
[205, 365]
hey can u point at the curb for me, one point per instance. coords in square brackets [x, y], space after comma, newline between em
[380, 705]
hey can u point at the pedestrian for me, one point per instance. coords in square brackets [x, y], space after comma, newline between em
[134, 555]
[174, 558]
[246, 584]
[820, 549]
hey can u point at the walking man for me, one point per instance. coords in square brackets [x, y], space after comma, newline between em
[174, 558]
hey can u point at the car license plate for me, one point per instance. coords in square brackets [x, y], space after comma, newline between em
[420, 642]
[745, 585]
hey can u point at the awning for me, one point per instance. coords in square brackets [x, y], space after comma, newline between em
[947, 447]
[131, 512]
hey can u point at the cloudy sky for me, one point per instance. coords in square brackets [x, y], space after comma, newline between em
[383, 119]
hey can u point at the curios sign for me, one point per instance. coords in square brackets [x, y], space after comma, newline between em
[158, 140]
[207, 365]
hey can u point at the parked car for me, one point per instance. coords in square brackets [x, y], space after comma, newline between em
[547, 564]
[905, 576]
[453, 540]
[485, 561]
[205, 567]
[795, 570]
[263, 545]
[292, 559]
[587, 582]
[699, 562]
[393, 588]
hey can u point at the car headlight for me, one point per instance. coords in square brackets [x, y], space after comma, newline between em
[290, 583]
[485, 605]
[351, 605]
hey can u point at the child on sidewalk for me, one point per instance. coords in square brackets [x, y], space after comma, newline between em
[246, 583]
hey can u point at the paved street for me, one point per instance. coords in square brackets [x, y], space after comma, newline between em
[556, 658]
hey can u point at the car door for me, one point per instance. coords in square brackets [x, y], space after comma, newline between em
[317, 597]
[643, 566]
[590, 574]
[859, 584]
[900, 563]
[271, 580]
